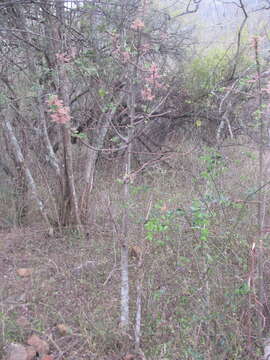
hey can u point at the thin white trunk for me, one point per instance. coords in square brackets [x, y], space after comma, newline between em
[125, 232]
[99, 136]
[138, 317]
[92, 156]
[51, 157]
[124, 250]
[20, 160]
[261, 196]
[124, 289]
[98, 144]
[139, 307]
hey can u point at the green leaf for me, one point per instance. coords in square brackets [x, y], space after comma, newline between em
[81, 135]
[115, 139]
[3, 98]
[102, 92]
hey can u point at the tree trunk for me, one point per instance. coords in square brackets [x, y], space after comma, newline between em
[33, 75]
[261, 196]
[17, 152]
[124, 248]
[139, 288]
[99, 136]
[70, 205]
[92, 157]
[125, 229]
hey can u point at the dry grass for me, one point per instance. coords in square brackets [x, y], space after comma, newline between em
[194, 303]
[69, 285]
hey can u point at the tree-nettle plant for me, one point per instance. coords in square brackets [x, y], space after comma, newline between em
[109, 68]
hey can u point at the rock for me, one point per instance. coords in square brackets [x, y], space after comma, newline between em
[31, 352]
[47, 357]
[24, 272]
[41, 346]
[50, 232]
[17, 352]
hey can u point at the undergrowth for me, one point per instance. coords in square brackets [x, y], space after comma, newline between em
[194, 226]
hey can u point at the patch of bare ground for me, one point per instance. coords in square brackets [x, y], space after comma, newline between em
[69, 297]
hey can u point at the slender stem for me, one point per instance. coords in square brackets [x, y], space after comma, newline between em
[261, 199]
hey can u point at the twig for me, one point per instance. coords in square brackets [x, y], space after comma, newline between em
[239, 35]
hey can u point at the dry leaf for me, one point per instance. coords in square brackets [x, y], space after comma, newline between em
[24, 272]
[63, 329]
[135, 251]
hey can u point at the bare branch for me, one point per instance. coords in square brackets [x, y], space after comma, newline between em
[239, 35]
[192, 7]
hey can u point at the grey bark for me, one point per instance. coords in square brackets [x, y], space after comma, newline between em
[139, 288]
[92, 157]
[92, 154]
[71, 201]
[125, 232]
[21, 161]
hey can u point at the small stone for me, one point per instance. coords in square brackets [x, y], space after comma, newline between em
[39, 345]
[50, 232]
[24, 272]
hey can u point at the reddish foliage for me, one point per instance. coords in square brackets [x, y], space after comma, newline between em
[147, 94]
[58, 112]
[137, 24]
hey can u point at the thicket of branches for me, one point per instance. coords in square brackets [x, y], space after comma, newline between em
[92, 57]
[87, 82]
[103, 65]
